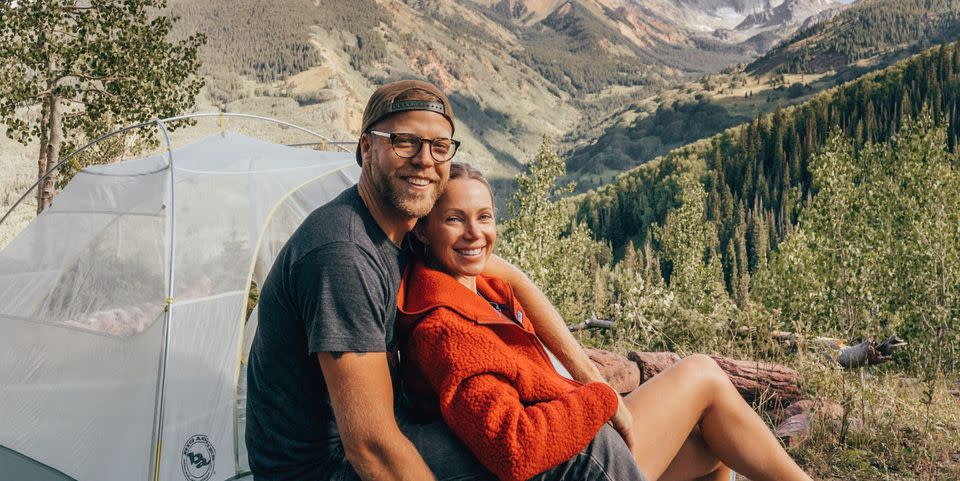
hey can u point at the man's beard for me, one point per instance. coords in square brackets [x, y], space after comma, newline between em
[405, 202]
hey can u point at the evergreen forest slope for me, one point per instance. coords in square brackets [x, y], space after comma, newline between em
[868, 33]
[757, 177]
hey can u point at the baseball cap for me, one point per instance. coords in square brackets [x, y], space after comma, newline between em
[394, 97]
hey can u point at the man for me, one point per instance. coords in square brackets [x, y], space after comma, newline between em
[323, 399]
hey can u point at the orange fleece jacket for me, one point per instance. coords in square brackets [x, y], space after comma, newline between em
[489, 376]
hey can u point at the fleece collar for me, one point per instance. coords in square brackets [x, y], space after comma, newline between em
[423, 289]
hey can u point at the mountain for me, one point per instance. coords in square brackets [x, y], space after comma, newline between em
[786, 17]
[517, 69]
[721, 24]
[870, 34]
[850, 41]
[790, 12]
[755, 25]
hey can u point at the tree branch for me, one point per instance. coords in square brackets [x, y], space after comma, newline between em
[592, 322]
[100, 91]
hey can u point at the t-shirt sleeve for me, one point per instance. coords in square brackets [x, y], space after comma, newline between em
[341, 296]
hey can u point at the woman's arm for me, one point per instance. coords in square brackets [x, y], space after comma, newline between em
[554, 333]
[474, 379]
[548, 323]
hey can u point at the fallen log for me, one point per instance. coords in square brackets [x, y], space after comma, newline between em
[774, 386]
[866, 353]
[772, 383]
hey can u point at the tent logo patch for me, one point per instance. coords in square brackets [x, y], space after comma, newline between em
[197, 459]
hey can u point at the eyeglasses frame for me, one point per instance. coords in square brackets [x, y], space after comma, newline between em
[393, 135]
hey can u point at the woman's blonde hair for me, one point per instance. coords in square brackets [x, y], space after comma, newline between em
[458, 170]
[463, 170]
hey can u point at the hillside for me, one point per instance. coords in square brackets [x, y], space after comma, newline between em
[869, 34]
[642, 130]
[362, 44]
[756, 175]
[848, 43]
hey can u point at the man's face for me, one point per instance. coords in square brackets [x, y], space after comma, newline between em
[409, 186]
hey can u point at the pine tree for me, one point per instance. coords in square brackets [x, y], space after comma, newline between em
[540, 240]
[652, 274]
[758, 239]
[629, 261]
[742, 291]
[695, 276]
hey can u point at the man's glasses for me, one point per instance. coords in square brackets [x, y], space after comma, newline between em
[408, 145]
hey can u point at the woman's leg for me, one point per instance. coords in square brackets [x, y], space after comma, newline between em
[696, 391]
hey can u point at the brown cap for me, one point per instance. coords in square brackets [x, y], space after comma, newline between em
[390, 99]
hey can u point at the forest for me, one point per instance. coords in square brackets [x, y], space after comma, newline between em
[757, 176]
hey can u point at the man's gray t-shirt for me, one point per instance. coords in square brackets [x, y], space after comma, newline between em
[332, 288]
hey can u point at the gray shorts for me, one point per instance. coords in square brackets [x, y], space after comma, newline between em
[606, 458]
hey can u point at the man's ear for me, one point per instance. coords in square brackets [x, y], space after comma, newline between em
[364, 146]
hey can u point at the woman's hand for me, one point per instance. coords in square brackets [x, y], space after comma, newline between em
[622, 421]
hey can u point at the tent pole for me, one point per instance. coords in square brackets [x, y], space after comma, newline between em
[168, 311]
[259, 117]
[339, 145]
[67, 159]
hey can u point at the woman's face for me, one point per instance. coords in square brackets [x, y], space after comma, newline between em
[460, 230]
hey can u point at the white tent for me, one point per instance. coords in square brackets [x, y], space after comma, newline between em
[122, 309]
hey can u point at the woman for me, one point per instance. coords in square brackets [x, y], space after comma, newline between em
[469, 353]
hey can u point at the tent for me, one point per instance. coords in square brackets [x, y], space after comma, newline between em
[122, 309]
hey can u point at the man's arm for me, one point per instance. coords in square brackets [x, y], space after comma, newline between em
[362, 398]
[553, 331]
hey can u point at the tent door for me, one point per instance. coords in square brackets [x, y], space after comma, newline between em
[14, 465]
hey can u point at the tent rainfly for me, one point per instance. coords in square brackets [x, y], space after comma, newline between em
[122, 309]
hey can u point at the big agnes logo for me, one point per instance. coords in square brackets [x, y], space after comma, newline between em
[197, 458]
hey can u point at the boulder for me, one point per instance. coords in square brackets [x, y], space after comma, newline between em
[794, 429]
[621, 373]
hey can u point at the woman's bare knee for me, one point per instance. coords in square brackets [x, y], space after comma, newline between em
[705, 369]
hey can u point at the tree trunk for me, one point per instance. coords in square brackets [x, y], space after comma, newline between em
[42, 156]
[52, 147]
